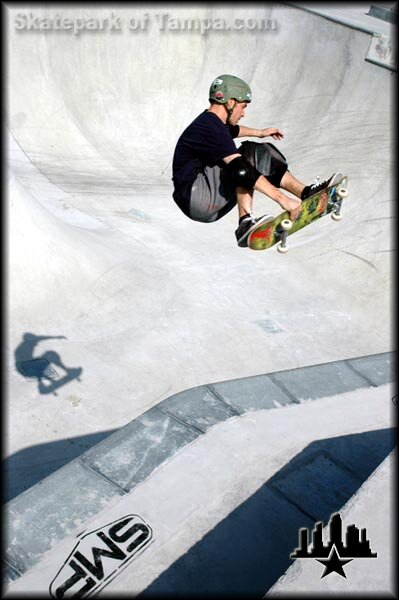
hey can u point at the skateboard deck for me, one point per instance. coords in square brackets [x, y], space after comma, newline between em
[57, 383]
[277, 229]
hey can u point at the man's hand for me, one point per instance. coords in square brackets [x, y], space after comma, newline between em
[292, 205]
[273, 132]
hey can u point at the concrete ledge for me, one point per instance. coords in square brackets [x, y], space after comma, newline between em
[378, 369]
[386, 13]
[319, 381]
[349, 16]
[131, 454]
[49, 511]
[197, 407]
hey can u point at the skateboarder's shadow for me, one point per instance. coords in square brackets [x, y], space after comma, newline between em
[43, 368]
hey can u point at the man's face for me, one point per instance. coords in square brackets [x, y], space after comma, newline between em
[238, 110]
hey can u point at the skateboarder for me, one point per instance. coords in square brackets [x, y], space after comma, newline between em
[211, 175]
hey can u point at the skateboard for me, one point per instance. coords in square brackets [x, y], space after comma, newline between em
[56, 383]
[277, 229]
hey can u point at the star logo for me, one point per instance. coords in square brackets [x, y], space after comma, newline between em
[333, 563]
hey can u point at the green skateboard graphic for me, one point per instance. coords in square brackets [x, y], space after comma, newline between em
[277, 229]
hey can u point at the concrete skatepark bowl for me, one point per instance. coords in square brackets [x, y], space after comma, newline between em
[145, 350]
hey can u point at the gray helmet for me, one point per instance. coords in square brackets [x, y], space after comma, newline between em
[225, 87]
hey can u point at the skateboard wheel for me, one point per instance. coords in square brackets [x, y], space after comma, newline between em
[342, 192]
[336, 216]
[286, 225]
[282, 249]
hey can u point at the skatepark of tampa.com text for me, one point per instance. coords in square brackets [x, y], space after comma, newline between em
[163, 22]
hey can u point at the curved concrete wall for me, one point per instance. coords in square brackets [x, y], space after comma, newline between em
[107, 278]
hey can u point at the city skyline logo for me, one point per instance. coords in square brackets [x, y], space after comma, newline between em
[334, 554]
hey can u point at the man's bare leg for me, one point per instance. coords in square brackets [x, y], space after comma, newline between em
[291, 184]
[245, 197]
[244, 201]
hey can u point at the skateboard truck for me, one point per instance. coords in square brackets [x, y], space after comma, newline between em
[342, 193]
[283, 230]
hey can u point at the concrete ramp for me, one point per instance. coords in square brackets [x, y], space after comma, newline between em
[117, 302]
[220, 516]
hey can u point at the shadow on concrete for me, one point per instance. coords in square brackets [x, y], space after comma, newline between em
[37, 462]
[43, 368]
[250, 549]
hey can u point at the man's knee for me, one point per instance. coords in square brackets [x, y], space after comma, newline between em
[267, 159]
[239, 173]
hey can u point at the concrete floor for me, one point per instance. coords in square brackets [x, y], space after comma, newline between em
[128, 299]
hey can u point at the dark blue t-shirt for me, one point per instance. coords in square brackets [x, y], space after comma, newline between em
[205, 142]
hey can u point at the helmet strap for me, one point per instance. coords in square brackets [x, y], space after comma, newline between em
[230, 111]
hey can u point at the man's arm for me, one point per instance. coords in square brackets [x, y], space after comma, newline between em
[273, 132]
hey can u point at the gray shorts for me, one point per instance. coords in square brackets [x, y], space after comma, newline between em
[211, 198]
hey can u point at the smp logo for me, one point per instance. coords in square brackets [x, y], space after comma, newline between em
[99, 556]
